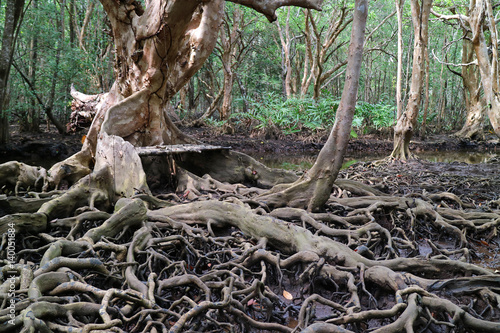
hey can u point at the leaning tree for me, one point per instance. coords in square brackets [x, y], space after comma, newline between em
[107, 256]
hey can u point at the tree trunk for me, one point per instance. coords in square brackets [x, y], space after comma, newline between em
[244, 95]
[399, 98]
[33, 121]
[405, 126]
[286, 62]
[473, 127]
[488, 66]
[319, 40]
[480, 18]
[423, 128]
[313, 189]
[158, 48]
[12, 20]
[227, 98]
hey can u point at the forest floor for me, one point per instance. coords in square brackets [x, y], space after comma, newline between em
[479, 181]
[49, 146]
[411, 194]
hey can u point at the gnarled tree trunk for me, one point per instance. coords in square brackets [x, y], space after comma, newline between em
[159, 47]
[473, 127]
[405, 126]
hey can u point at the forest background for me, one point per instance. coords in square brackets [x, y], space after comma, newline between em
[272, 79]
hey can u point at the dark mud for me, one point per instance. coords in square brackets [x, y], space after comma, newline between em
[473, 183]
[43, 149]
[470, 181]
[368, 144]
[49, 147]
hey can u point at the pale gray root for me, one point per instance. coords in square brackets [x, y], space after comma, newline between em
[291, 238]
[15, 175]
[21, 205]
[234, 167]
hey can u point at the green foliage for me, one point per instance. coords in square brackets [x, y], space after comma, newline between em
[292, 115]
[48, 47]
[374, 116]
[296, 115]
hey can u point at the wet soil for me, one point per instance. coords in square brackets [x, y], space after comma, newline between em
[474, 182]
[369, 144]
[49, 146]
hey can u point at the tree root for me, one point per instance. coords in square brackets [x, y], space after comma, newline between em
[378, 262]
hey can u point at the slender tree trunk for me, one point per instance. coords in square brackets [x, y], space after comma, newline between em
[12, 19]
[307, 76]
[227, 96]
[423, 128]
[286, 62]
[399, 77]
[86, 21]
[405, 126]
[313, 189]
[244, 95]
[33, 121]
[368, 79]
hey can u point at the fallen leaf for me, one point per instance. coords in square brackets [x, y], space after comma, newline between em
[287, 295]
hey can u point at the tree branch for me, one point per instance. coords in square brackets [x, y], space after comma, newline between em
[268, 7]
[474, 62]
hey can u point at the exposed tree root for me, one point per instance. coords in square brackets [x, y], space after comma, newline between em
[373, 262]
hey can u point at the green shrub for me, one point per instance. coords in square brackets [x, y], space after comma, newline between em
[299, 114]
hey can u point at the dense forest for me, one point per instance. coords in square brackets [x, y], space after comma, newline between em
[146, 228]
[285, 76]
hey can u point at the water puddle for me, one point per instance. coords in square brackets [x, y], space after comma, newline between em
[305, 161]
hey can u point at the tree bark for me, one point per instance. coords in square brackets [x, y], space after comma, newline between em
[481, 15]
[399, 98]
[423, 128]
[286, 62]
[33, 121]
[473, 127]
[12, 20]
[405, 126]
[158, 48]
[480, 19]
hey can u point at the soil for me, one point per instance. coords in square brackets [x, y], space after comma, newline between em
[369, 144]
[49, 146]
[472, 182]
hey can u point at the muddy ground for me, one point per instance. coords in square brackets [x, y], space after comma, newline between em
[48, 146]
[472, 182]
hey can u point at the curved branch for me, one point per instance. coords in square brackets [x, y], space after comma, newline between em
[268, 8]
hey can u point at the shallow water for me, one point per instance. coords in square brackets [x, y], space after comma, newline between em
[305, 161]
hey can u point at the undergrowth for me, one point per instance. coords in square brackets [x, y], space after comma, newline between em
[272, 113]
